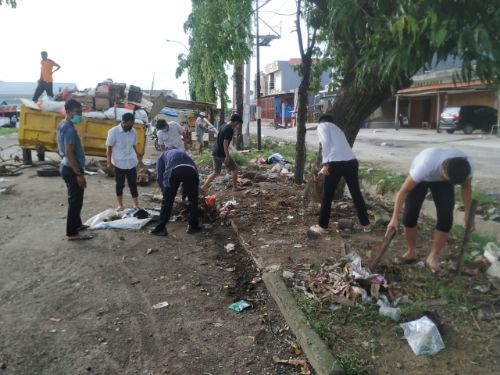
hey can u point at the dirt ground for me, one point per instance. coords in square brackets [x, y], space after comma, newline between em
[103, 290]
[86, 307]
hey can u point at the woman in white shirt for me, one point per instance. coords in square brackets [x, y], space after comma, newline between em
[338, 161]
[437, 170]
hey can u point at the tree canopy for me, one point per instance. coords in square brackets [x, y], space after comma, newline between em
[219, 34]
[376, 46]
[383, 41]
[12, 3]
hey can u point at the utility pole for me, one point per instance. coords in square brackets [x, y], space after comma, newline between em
[257, 110]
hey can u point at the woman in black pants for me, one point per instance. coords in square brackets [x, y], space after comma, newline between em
[338, 161]
[437, 170]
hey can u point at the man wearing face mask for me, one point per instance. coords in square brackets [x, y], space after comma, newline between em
[72, 168]
[124, 158]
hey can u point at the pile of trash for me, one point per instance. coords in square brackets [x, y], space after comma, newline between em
[345, 282]
[108, 101]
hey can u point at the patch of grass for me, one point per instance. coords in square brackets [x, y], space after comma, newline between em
[389, 182]
[353, 364]
[483, 198]
[268, 147]
[412, 311]
[364, 316]
[5, 131]
[314, 311]
[428, 287]
[204, 159]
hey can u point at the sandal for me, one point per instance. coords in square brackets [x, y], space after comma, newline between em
[80, 237]
[402, 261]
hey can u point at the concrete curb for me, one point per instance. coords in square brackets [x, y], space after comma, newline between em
[315, 349]
[317, 352]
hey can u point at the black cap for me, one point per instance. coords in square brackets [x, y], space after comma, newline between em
[236, 118]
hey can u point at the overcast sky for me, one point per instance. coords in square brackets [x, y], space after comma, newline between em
[120, 39]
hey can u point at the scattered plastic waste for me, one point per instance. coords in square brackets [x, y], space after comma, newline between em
[54, 319]
[111, 219]
[423, 336]
[256, 280]
[229, 247]
[275, 158]
[226, 207]
[210, 200]
[239, 305]
[160, 305]
[391, 312]
[491, 252]
[335, 306]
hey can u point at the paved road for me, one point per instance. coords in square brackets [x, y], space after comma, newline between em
[394, 150]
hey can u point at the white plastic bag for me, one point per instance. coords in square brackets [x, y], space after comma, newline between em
[423, 336]
[126, 222]
[51, 106]
[112, 115]
[142, 115]
[96, 115]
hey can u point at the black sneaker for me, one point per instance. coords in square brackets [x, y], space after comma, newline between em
[192, 229]
[159, 232]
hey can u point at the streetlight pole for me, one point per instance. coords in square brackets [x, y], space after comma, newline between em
[176, 41]
[257, 109]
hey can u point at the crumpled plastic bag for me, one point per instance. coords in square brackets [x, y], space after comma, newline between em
[51, 105]
[275, 158]
[126, 221]
[423, 336]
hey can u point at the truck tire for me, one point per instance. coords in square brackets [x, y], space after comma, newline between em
[48, 171]
[468, 129]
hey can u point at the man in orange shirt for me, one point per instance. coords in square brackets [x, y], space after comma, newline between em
[45, 81]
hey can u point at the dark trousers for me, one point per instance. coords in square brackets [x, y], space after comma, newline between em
[75, 201]
[131, 176]
[43, 86]
[189, 178]
[443, 194]
[348, 170]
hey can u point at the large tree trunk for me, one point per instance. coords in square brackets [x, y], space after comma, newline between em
[300, 153]
[238, 82]
[353, 105]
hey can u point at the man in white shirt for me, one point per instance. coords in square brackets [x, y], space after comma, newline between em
[124, 158]
[171, 136]
[439, 170]
[338, 161]
[200, 127]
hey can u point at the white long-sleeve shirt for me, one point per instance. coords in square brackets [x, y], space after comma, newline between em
[334, 143]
